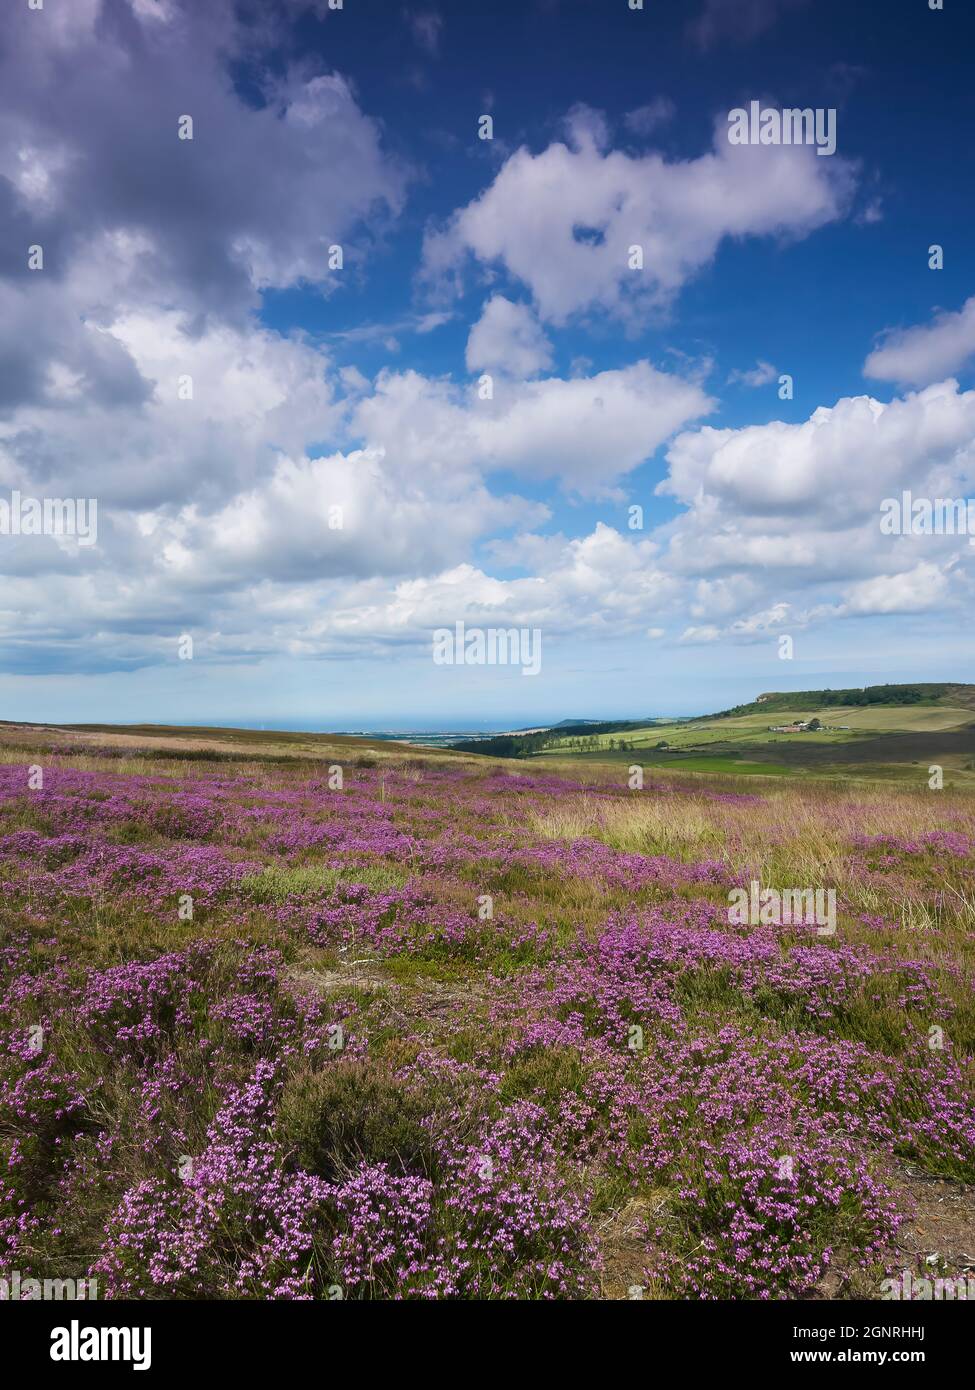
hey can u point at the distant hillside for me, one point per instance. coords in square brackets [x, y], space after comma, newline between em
[885, 725]
[931, 693]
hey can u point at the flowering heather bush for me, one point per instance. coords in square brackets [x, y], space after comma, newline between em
[769, 1207]
[432, 1035]
[236, 1223]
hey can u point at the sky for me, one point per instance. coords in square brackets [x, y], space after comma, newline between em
[338, 371]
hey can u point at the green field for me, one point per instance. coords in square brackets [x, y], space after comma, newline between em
[888, 741]
[754, 728]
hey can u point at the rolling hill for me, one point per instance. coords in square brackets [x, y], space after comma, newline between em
[884, 731]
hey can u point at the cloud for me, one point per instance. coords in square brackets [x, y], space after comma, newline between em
[644, 120]
[420, 324]
[923, 354]
[509, 339]
[246, 555]
[781, 522]
[917, 590]
[600, 584]
[95, 359]
[738, 21]
[427, 28]
[835, 467]
[760, 375]
[253, 394]
[562, 222]
[590, 431]
[872, 213]
[217, 516]
[585, 432]
[750, 630]
[339, 516]
[758, 625]
[254, 200]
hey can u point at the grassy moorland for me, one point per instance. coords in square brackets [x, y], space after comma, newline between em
[470, 1029]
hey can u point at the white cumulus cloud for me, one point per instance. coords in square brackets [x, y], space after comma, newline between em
[562, 222]
[927, 352]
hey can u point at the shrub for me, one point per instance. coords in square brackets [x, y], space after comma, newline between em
[355, 1112]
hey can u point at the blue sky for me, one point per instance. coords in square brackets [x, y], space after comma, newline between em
[205, 260]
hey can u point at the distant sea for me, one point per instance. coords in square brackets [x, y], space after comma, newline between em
[429, 738]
